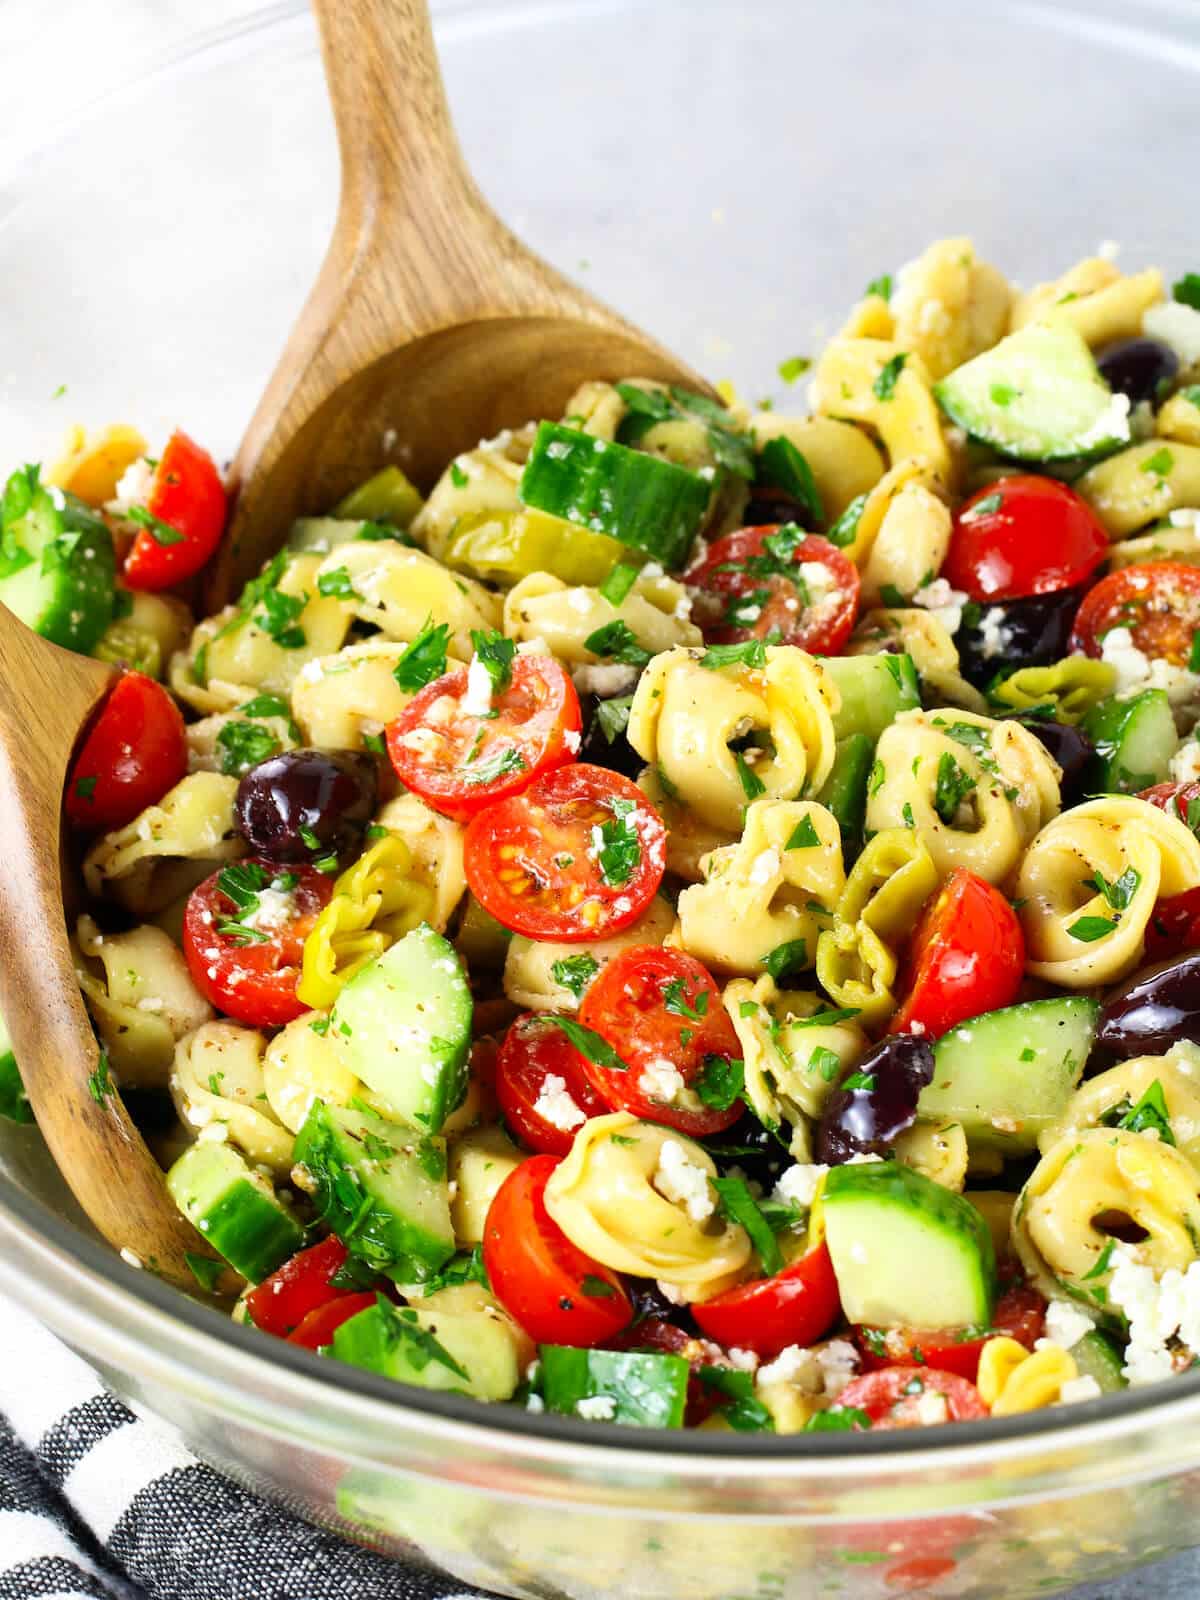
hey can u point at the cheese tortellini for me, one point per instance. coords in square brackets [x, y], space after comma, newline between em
[656, 611]
[169, 848]
[339, 699]
[219, 1090]
[685, 718]
[877, 382]
[530, 979]
[1109, 1095]
[1088, 884]
[398, 590]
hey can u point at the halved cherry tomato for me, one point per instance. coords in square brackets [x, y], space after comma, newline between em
[796, 1306]
[911, 1576]
[535, 1051]
[1173, 798]
[248, 972]
[1021, 536]
[1174, 926]
[661, 1010]
[188, 498]
[133, 754]
[460, 762]
[1020, 1313]
[893, 1396]
[967, 957]
[280, 1303]
[319, 1326]
[556, 1292]
[751, 583]
[578, 856]
[1158, 601]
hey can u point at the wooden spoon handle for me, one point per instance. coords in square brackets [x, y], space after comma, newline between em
[91, 1136]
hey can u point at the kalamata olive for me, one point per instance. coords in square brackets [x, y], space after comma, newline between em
[768, 504]
[1140, 368]
[1070, 747]
[616, 752]
[1156, 1008]
[751, 1148]
[649, 1301]
[1016, 633]
[306, 803]
[873, 1105]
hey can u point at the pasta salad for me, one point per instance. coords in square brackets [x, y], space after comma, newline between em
[696, 921]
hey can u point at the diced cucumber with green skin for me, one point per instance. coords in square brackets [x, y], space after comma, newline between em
[646, 1389]
[1097, 1357]
[1134, 739]
[645, 502]
[381, 1188]
[388, 496]
[874, 690]
[1007, 1075]
[473, 1355]
[56, 563]
[235, 1209]
[14, 1103]
[906, 1251]
[403, 1025]
[1037, 395]
[845, 790]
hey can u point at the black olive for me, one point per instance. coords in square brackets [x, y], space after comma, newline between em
[649, 1301]
[1070, 747]
[1156, 1008]
[751, 1148]
[615, 753]
[1140, 368]
[768, 504]
[1035, 633]
[306, 803]
[876, 1102]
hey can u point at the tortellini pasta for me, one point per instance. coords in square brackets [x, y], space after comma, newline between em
[604, 1197]
[975, 790]
[685, 717]
[1135, 487]
[1013, 1379]
[1095, 299]
[338, 700]
[1113, 1176]
[948, 307]
[169, 848]
[218, 1088]
[911, 543]
[689, 837]
[398, 590]
[938, 1150]
[301, 1066]
[1109, 1095]
[1071, 687]
[921, 635]
[776, 886]
[529, 968]
[541, 607]
[1088, 884]
[141, 998]
[479, 1161]
[92, 465]
[877, 382]
[480, 480]
[844, 462]
[156, 626]
[1179, 418]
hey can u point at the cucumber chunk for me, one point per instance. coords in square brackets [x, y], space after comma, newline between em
[1037, 395]
[874, 690]
[1134, 739]
[14, 1102]
[403, 1025]
[473, 1354]
[906, 1251]
[56, 563]
[640, 499]
[1097, 1357]
[1008, 1075]
[845, 789]
[644, 1389]
[380, 1187]
[235, 1209]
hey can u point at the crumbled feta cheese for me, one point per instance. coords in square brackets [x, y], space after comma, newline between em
[944, 602]
[1136, 671]
[798, 1185]
[555, 1105]
[130, 1258]
[604, 681]
[1066, 1324]
[535, 1404]
[1176, 325]
[1185, 517]
[275, 908]
[661, 1081]
[1185, 763]
[764, 868]
[1157, 1309]
[426, 742]
[791, 1363]
[133, 487]
[994, 636]
[838, 1361]
[743, 1360]
[818, 580]
[579, 600]
[572, 740]
[1108, 249]
[679, 1179]
[931, 1409]
[596, 1407]
[1076, 1390]
[477, 701]
[677, 1293]
[213, 1133]
[1112, 424]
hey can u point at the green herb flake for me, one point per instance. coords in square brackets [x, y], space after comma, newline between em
[575, 973]
[1089, 929]
[952, 787]
[982, 508]
[205, 1270]
[161, 532]
[99, 1083]
[1027, 1054]
[596, 1288]
[803, 836]
[1120, 891]
[1160, 463]
[720, 1081]
[752, 784]
[425, 658]
[783, 466]
[793, 367]
[612, 716]
[497, 766]
[495, 654]
[1149, 1115]
[845, 530]
[590, 1044]
[750, 653]
[824, 1062]
[242, 745]
[884, 386]
[786, 958]
[1187, 290]
[838, 1419]
[737, 1403]
[617, 642]
[675, 1000]
[881, 286]
[737, 1204]
[616, 847]
[458, 477]
[85, 788]
[619, 582]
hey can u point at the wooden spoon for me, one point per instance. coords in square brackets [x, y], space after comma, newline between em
[49, 694]
[430, 324]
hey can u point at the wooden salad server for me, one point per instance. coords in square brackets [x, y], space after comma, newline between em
[49, 695]
[430, 324]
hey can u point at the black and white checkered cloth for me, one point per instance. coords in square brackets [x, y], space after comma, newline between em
[99, 1504]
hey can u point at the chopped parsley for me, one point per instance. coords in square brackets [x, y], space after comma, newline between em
[618, 848]
[750, 653]
[1089, 929]
[161, 532]
[1187, 290]
[495, 767]
[675, 1000]
[465, 1267]
[824, 1062]
[205, 1270]
[860, 1080]
[1160, 463]
[845, 530]
[243, 745]
[952, 787]
[736, 1203]
[375, 743]
[803, 836]
[495, 654]
[458, 477]
[785, 959]
[425, 658]
[884, 386]
[982, 508]
[838, 1419]
[619, 582]
[720, 1081]
[793, 367]
[616, 641]
[590, 1044]
[783, 466]
[336, 585]
[1120, 891]
[596, 1288]
[730, 448]
[882, 286]
[752, 784]
[85, 788]
[738, 1403]
[612, 716]
[100, 1084]
[575, 973]
[1148, 1115]
[399, 1326]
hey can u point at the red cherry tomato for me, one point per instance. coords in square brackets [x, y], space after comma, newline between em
[1020, 1313]
[251, 974]
[967, 957]
[300, 1286]
[535, 1051]
[460, 762]
[319, 1326]
[1158, 601]
[1021, 536]
[796, 1306]
[556, 1292]
[187, 496]
[660, 1009]
[133, 754]
[1173, 798]
[909, 1577]
[578, 856]
[1175, 926]
[749, 585]
[892, 1397]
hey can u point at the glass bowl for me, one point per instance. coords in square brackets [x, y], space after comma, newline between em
[730, 177]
